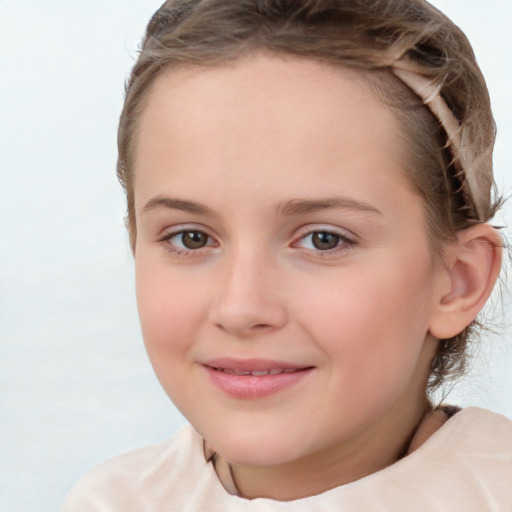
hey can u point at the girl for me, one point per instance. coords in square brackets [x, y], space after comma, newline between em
[309, 186]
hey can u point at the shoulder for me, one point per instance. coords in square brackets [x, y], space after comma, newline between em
[482, 441]
[467, 432]
[482, 430]
[465, 465]
[127, 481]
[472, 452]
[473, 438]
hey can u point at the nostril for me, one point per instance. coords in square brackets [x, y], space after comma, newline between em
[250, 329]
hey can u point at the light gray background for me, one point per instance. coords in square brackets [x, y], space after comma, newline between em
[76, 386]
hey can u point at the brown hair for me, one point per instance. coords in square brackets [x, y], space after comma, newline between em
[369, 36]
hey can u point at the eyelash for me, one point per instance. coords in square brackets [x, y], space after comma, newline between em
[344, 242]
[183, 251]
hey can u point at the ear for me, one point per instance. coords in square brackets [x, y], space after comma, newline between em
[472, 266]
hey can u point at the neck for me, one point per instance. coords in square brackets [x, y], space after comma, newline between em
[353, 459]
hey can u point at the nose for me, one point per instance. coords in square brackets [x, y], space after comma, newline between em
[249, 298]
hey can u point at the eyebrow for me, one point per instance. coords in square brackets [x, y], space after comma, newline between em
[292, 207]
[299, 206]
[185, 205]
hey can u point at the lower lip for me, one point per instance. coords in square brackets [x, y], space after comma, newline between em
[251, 387]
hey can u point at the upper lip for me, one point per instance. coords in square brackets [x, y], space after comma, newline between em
[252, 365]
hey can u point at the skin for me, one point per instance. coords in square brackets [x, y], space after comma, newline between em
[249, 142]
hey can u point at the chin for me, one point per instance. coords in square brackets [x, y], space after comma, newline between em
[257, 449]
[257, 456]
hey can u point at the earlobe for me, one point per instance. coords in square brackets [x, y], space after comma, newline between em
[474, 263]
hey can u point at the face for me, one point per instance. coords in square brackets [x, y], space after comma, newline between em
[284, 279]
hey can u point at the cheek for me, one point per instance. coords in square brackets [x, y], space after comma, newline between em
[375, 317]
[170, 311]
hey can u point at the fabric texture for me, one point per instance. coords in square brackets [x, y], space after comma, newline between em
[465, 466]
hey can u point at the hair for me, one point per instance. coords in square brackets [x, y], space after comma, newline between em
[368, 36]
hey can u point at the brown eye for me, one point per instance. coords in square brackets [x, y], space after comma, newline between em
[325, 241]
[194, 239]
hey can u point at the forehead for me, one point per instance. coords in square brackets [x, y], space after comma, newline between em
[265, 118]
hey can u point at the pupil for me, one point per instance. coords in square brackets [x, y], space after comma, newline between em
[194, 239]
[325, 241]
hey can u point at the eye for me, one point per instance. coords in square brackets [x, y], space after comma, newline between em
[190, 239]
[187, 240]
[324, 241]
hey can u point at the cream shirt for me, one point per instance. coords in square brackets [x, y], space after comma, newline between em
[465, 466]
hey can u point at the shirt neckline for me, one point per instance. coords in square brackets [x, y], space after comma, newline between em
[440, 437]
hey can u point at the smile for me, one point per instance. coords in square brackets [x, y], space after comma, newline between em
[258, 373]
[251, 379]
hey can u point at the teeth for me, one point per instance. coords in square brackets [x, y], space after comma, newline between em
[234, 372]
[259, 373]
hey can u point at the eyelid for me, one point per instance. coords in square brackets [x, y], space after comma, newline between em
[324, 228]
[173, 231]
[347, 238]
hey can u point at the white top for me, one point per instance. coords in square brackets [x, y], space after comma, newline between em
[465, 466]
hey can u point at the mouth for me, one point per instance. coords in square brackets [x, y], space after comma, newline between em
[257, 373]
[255, 378]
